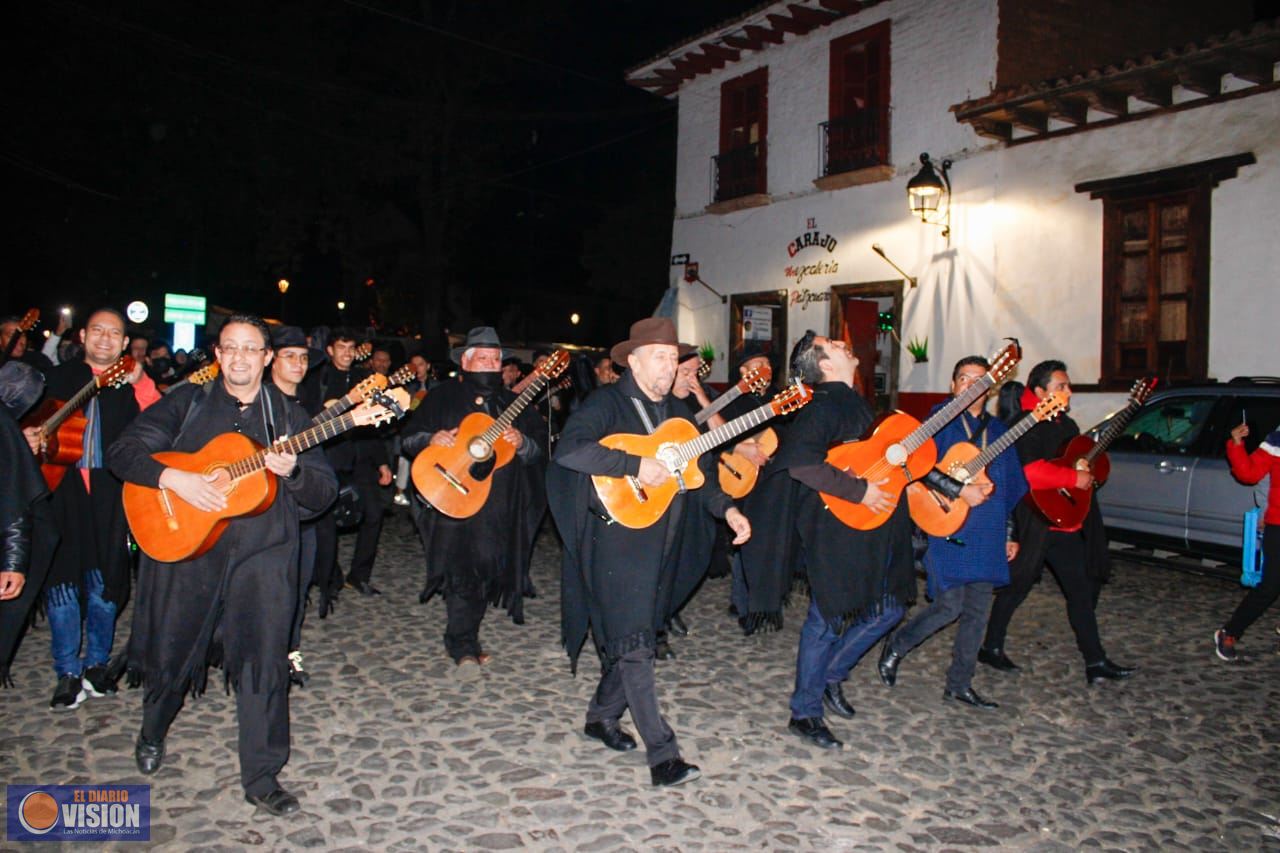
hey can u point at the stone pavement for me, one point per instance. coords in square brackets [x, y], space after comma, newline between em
[392, 752]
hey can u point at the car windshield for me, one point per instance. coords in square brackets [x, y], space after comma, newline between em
[1167, 426]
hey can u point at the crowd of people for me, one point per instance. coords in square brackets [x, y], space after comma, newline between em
[238, 601]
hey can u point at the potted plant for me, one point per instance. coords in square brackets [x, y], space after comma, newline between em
[919, 350]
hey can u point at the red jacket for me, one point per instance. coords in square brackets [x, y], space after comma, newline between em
[1249, 468]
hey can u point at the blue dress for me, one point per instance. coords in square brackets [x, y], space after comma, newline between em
[976, 552]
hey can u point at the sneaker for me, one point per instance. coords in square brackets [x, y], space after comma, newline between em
[1225, 646]
[69, 693]
[98, 682]
[401, 499]
[297, 674]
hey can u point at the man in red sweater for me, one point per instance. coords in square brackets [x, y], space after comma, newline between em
[1077, 556]
[1249, 468]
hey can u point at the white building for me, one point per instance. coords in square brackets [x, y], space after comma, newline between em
[1115, 186]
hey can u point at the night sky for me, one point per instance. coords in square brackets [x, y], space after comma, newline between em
[475, 162]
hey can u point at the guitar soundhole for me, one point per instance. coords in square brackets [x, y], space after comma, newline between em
[222, 480]
[479, 449]
[668, 456]
[895, 454]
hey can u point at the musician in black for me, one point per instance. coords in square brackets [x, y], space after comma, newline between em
[615, 579]
[234, 604]
[88, 568]
[479, 560]
[1078, 556]
[360, 460]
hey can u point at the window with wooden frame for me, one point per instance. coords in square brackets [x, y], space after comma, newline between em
[856, 134]
[740, 167]
[1155, 271]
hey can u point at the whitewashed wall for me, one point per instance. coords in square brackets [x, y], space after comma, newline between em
[1025, 252]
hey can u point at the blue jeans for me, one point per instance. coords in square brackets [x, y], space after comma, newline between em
[63, 605]
[825, 657]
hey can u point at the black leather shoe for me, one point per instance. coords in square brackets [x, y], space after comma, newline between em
[996, 659]
[279, 802]
[365, 588]
[969, 696]
[674, 771]
[613, 737]
[678, 627]
[815, 731]
[833, 698]
[663, 650]
[887, 666]
[733, 611]
[1107, 670]
[148, 755]
[424, 597]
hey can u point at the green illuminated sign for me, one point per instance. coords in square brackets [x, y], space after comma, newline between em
[184, 308]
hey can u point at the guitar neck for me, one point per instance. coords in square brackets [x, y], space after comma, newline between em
[343, 404]
[995, 448]
[304, 440]
[1113, 430]
[694, 448]
[81, 397]
[503, 422]
[918, 436]
[717, 404]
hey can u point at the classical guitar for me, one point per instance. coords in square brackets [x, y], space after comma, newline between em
[362, 352]
[1067, 507]
[754, 382]
[169, 529]
[203, 376]
[456, 480]
[738, 474]
[26, 324]
[939, 515]
[62, 423]
[901, 449]
[371, 384]
[677, 445]
[563, 383]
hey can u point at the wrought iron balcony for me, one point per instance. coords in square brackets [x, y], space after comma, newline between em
[738, 172]
[852, 142]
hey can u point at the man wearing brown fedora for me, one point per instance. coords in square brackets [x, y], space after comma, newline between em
[616, 580]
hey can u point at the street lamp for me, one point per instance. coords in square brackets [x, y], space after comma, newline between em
[926, 192]
[342, 306]
[283, 286]
[574, 318]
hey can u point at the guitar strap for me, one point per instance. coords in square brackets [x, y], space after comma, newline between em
[649, 428]
[196, 400]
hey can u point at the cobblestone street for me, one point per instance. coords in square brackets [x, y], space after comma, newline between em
[392, 752]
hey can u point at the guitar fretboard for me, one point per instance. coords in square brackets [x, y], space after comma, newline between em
[694, 448]
[537, 380]
[317, 434]
[918, 436]
[995, 448]
[1113, 430]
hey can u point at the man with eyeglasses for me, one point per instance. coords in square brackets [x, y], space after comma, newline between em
[88, 568]
[360, 460]
[234, 603]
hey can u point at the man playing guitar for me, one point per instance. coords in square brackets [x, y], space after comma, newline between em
[234, 602]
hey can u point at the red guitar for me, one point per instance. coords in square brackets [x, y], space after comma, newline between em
[62, 424]
[1067, 507]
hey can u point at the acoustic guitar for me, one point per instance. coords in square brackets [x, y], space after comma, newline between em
[939, 515]
[26, 324]
[677, 445]
[456, 480]
[1066, 508]
[371, 384]
[202, 376]
[169, 529]
[901, 449]
[738, 474]
[62, 423]
[754, 381]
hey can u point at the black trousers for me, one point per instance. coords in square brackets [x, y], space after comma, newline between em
[373, 503]
[1065, 555]
[1262, 596]
[630, 684]
[263, 722]
[306, 571]
[462, 630]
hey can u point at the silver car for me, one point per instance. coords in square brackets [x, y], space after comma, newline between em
[1170, 485]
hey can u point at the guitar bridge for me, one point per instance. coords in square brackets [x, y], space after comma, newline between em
[166, 507]
[637, 489]
[451, 480]
[731, 469]
[1067, 495]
